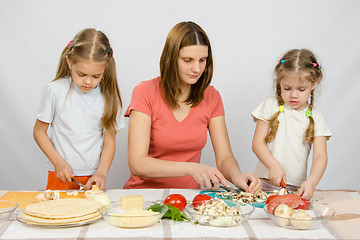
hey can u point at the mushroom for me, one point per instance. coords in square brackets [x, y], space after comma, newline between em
[48, 195]
[283, 191]
[300, 219]
[96, 194]
[94, 190]
[283, 212]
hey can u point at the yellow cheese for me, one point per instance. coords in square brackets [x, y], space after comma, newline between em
[128, 202]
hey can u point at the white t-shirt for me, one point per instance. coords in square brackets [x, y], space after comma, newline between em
[75, 124]
[289, 146]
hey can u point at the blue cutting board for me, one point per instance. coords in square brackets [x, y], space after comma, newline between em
[255, 204]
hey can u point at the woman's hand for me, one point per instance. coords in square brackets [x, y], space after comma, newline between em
[249, 182]
[207, 176]
[63, 171]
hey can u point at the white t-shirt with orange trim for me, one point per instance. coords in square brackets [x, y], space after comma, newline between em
[75, 124]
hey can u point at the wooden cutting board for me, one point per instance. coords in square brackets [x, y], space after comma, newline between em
[25, 198]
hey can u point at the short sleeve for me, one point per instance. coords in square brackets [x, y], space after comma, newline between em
[120, 120]
[141, 100]
[265, 110]
[47, 105]
[321, 127]
[217, 104]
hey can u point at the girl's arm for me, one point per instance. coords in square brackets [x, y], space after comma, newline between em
[62, 168]
[106, 158]
[225, 159]
[261, 150]
[318, 167]
[141, 164]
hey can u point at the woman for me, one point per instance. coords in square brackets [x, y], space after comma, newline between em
[169, 117]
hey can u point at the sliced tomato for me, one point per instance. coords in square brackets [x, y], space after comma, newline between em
[304, 204]
[292, 200]
[200, 199]
[176, 200]
[271, 197]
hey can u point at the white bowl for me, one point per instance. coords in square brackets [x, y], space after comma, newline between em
[320, 215]
[116, 215]
[6, 209]
[222, 220]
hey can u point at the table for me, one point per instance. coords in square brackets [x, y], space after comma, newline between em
[344, 225]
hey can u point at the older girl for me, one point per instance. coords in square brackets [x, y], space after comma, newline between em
[80, 107]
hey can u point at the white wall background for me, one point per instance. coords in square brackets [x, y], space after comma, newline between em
[248, 37]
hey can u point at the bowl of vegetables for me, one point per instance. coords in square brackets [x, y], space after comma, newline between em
[218, 212]
[300, 219]
[291, 211]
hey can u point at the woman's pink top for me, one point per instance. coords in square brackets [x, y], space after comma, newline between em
[170, 139]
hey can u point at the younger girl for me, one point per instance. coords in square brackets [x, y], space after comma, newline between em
[287, 126]
[80, 108]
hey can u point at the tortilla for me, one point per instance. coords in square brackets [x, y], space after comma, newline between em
[59, 221]
[66, 208]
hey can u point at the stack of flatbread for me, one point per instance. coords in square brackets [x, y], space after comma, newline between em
[62, 212]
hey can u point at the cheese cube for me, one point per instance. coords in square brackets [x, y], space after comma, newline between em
[128, 202]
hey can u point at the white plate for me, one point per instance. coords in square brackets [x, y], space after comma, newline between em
[20, 219]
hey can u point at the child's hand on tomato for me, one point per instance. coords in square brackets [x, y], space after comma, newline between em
[306, 189]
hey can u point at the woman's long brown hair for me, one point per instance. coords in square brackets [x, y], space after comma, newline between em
[181, 35]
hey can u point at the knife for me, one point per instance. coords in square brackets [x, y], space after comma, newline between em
[283, 185]
[79, 183]
[228, 189]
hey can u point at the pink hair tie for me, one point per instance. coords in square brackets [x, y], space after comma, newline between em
[70, 42]
[314, 64]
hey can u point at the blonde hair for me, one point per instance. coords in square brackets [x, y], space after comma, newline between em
[181, 35]
[91, 44]
[296, 60]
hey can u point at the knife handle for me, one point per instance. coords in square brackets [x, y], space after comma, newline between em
[282, 183]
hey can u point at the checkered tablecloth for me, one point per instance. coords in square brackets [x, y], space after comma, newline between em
[344, 225]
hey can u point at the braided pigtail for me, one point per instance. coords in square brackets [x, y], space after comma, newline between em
[273, 121]
[309, 134]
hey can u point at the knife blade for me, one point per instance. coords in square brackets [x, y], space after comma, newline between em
[79, 183]
[228, 189]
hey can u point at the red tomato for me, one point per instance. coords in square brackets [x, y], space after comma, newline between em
[271, 197]
[304, 204]
[292, 200]
[200, 199]
[176, 200]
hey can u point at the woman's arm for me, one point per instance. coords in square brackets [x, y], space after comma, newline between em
[225, 159]
[318, 167]
[62, 168]
[141, 164]
[261, 150]
[106, 158]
